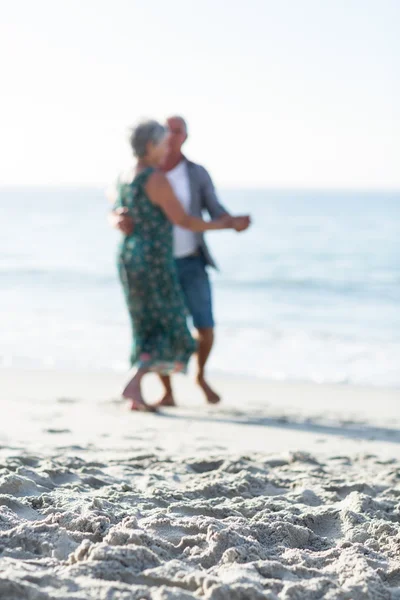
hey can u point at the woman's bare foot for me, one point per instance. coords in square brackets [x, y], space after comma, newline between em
[133, 393]
[211, 396]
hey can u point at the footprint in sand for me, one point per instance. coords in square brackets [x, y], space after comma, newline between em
[67, 400]
[57, 430]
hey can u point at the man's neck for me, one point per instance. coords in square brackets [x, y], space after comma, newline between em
[172, 162]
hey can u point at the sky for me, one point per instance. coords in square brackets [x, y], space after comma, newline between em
[277, 93]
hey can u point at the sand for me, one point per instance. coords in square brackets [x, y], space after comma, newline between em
[283, 491]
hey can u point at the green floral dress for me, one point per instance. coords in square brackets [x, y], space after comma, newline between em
[161, 339]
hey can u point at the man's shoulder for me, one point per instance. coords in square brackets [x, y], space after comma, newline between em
[195, 168]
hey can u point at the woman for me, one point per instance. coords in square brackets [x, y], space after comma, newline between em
[162, 342]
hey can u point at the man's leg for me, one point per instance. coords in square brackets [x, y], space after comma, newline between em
[196, 289]
[205, 338]
[168, 397]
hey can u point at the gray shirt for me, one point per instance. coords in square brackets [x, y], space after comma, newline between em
[203, 198]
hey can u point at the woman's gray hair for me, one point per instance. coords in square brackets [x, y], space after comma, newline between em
[143, 133]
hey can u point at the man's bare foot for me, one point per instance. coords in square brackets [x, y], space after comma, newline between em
[143, 407]
[211, 396]
[167, 400]
[133, 393]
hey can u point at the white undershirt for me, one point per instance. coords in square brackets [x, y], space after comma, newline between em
[184, 240]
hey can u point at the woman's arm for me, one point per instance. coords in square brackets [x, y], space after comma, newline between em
[160, 192]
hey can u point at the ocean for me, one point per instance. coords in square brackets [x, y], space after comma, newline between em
[310, 293]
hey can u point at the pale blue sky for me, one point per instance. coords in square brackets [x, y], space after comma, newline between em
[276, 92]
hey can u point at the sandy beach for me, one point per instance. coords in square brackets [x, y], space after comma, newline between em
[229, 171]
[283, 491]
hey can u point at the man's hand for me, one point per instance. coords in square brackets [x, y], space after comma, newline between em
[121, 219]
[241, 223]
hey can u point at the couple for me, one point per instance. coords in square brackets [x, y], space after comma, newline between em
[163, 256]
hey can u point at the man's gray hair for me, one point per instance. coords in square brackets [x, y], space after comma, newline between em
[143, 133]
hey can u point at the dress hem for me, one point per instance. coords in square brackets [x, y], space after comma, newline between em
[161, 367]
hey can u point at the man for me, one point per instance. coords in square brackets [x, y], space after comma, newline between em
[195, 190]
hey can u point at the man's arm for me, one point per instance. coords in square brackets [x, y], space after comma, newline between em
[213, 205]
[119, 217]
[209, 196]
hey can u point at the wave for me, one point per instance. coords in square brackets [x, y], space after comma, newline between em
[314, 284]
[59, 276]
[378, 289]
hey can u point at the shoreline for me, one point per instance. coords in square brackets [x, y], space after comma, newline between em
[306, 417]
[213, 375]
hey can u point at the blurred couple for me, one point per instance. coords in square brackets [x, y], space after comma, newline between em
[163, 257]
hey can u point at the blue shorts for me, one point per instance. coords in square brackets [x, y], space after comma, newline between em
[193, 277]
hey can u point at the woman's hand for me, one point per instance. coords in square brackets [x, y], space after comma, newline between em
[224, 222]
[241, 223]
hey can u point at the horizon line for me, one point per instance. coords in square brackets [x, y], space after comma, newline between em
[241, 187]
